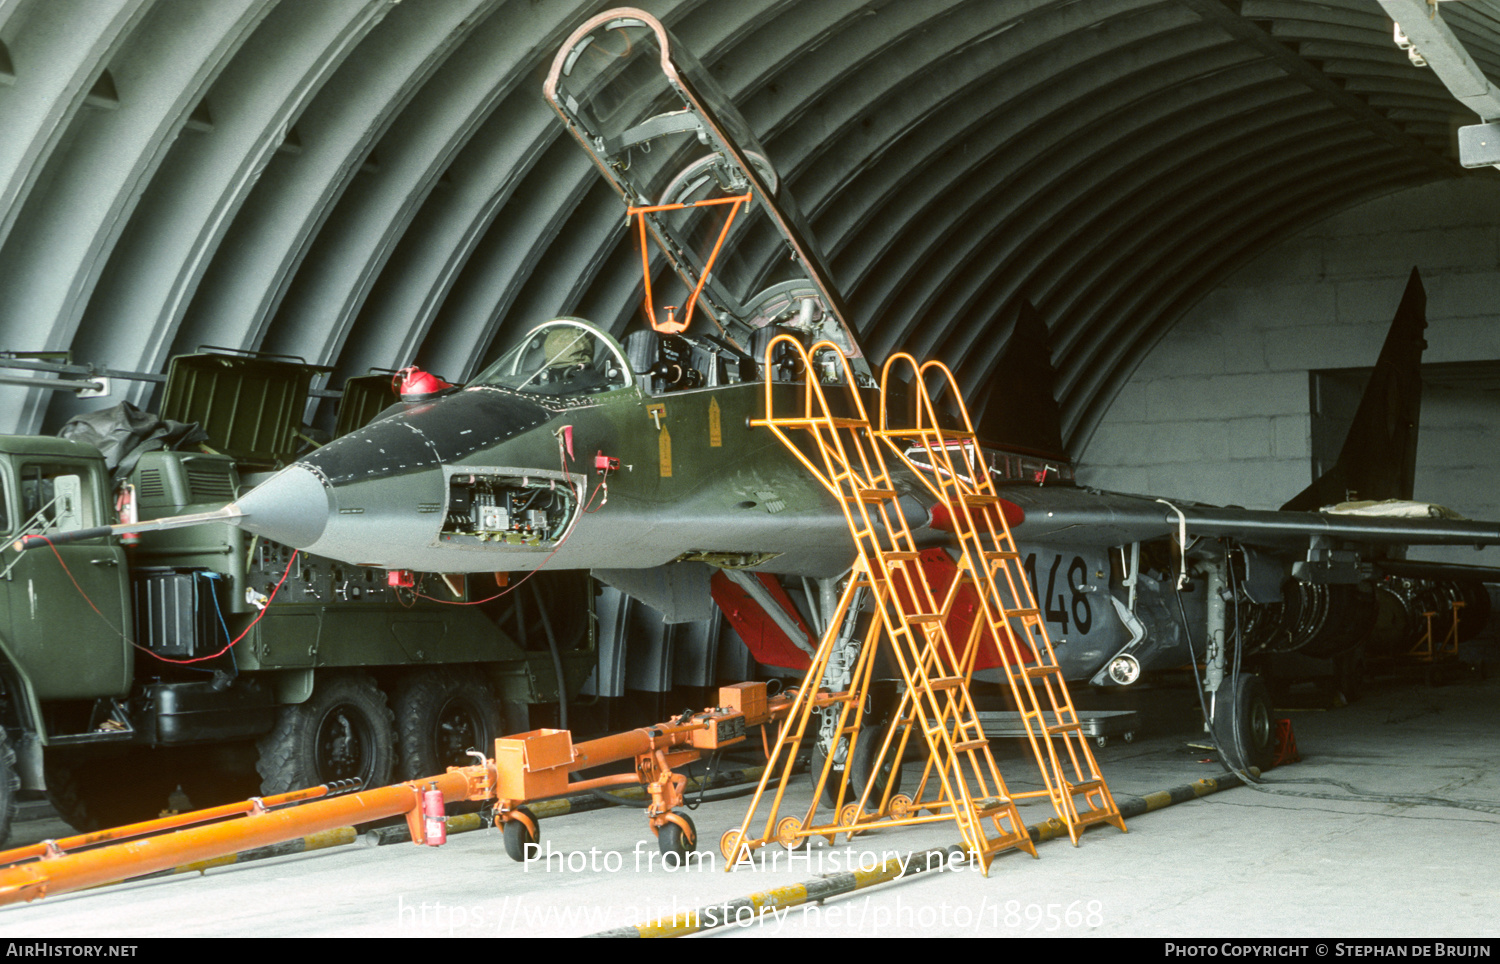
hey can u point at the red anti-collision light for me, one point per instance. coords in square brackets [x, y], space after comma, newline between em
[417, 383]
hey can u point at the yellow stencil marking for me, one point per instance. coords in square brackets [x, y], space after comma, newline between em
[715, 433]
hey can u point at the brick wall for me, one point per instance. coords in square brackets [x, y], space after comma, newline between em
[1219, 411]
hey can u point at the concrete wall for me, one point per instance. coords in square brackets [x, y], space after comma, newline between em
[1219, 412]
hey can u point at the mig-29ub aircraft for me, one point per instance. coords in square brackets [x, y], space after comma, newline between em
[636, 460]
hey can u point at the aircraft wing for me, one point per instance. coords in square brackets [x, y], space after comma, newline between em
[669, 140]
[1060, 512]
[1066, 515]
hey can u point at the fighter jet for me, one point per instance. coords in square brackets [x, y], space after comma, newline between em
[638, 461]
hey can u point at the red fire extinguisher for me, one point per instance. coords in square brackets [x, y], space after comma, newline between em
[433, 816]
[127, 511]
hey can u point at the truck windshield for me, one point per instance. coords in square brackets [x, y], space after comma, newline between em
[559, 358]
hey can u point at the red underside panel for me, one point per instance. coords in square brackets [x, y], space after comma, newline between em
[767, 642]
[940, 571]
[770, 645]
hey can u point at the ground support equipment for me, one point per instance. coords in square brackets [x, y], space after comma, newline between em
[527, 767]
[909, 619]
[949, 463]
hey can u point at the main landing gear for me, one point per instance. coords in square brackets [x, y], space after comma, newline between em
[1242, 724]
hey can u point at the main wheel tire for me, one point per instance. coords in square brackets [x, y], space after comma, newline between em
[343, 731]
[1349, 675]
[1242, 723]
[439, 717]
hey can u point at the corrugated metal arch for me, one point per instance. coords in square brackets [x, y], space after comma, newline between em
[370, 184]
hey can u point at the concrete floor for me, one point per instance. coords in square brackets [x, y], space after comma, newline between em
[1237, 863]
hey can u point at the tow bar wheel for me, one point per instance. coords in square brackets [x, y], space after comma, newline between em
[518, 834]
[675, 839]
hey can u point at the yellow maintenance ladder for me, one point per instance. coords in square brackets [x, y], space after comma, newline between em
[849, 461]
[949, 463]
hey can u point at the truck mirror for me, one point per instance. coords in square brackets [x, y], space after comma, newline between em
[68, 511]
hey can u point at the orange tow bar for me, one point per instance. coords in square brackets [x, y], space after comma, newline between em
[75, 863]
[527, 767]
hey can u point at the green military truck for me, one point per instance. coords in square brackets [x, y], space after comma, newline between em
[120, 695]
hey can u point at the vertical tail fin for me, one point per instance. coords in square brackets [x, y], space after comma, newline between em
[1379, 457]
[1020, 411]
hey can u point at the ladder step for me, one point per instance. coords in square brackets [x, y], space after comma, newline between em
[1037, 672]
[871, 495]
[945, 683]
[1090, 817]
[1063, 728]
[825, 420]
[990, 806]
[900, 556]
[998, 555]
[968, 745]
[980, 498]
[1025, 614]
[924, 617]
[1088, 786]
[994, 845]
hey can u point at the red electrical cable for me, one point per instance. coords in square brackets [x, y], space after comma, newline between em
[232, 642]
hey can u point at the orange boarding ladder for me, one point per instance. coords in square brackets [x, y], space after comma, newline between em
[956, 474]
[848, 460]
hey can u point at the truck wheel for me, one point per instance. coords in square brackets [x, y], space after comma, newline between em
[9, 784]
[439, 717]
[342, 732]
[92, 792]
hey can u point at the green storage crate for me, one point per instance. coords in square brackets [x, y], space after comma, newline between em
[250, 405]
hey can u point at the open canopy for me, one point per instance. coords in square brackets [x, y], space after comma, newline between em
[673, 145]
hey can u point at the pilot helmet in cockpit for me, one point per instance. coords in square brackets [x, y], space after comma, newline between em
[568, 348]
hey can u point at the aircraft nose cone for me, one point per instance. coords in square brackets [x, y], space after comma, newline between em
[291, 507]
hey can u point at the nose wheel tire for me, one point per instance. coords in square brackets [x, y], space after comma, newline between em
[343, 731]
[860, 766]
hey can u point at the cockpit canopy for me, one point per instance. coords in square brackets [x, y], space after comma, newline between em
[686, 163]
[560, 357]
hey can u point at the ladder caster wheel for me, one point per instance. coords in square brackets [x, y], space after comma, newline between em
[729, 847]
[849, 816]
[518, 835]
[900, 807]
[786, 833]
[676, 842]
